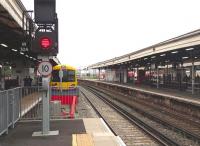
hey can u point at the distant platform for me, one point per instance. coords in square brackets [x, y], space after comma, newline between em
[173, 94]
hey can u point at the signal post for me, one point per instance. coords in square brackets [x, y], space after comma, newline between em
[45, 45]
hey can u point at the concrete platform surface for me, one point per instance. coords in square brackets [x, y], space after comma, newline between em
[101, 135]
[22, 134]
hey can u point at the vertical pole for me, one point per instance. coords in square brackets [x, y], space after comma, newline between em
[20, 102]
[133, 71]
[137, 70]
[157, 77]
[193, 81]
[167, 75]
[7, 112]
[13, 108]
[150, 75]
[45, 106]
[182, 84]
[99, 74]
[45, 116]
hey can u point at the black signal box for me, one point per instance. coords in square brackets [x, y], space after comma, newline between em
[45, 11]
[45, 43]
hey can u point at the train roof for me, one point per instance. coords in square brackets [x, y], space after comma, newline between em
[58, 67]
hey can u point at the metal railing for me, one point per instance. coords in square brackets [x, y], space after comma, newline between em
[15, 104]
[25, 103]
[31, 103]
[59, 104]
[9, 108]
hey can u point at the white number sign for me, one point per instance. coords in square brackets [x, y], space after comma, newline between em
[45, 68]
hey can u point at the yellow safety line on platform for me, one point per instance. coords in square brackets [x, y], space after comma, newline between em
[82, 140]
[74, 141]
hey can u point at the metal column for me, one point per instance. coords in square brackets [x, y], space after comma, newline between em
[150, 75]
[99, 73]
[193, 77]
[45, 113]
[45, 108]
[157, 83]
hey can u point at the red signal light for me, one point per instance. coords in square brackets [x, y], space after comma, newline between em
[45, 42]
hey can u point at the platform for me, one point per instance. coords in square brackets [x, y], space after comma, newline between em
[70, 131]
[181, 96]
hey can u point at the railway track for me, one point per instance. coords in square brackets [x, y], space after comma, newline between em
[188, 126]
[125, 124]
[174, 131]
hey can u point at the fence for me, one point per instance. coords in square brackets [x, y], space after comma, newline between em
[9, 108]
[61, 104]
[31, 99]
[25, 103]
[15, 104]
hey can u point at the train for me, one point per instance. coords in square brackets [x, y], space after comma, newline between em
[64, 84]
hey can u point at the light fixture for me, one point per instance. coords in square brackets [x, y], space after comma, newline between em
[163, 55]
[153, 57]
[27, 56]
[21, 53]
[145, 58]
[4, 45]
[14, 50]
[174, 52]
[185, 57]
[188, 49]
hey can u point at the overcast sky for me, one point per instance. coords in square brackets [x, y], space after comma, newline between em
[96, 30]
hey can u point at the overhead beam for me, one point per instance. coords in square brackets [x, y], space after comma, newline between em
[15, 9]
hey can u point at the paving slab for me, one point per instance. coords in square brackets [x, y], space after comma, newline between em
[21, 135]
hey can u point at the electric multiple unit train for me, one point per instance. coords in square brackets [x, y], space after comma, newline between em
[63, 84]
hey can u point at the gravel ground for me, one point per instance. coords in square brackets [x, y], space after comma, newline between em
[130, 134]
[84, 109]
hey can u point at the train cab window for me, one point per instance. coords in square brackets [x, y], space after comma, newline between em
[55, 76]
[68, 76]
[71, 76]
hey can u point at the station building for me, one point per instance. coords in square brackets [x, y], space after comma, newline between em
[174, 63]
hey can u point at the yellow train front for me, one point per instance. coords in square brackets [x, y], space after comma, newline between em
[64, 86]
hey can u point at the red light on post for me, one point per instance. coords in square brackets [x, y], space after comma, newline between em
[45, 42]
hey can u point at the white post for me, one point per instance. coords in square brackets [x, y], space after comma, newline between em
[45, 104]
[45, 113]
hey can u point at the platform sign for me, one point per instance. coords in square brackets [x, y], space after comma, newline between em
[24, 47]
[45, 68]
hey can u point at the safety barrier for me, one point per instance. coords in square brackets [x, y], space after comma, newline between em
[9, 108]
[25, 103]
[31, 103]
[16, 104]
[62, 103]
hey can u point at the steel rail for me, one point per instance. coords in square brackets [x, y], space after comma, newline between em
[162, 139]
[155, 118]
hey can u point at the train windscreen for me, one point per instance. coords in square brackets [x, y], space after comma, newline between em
[68, 76]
